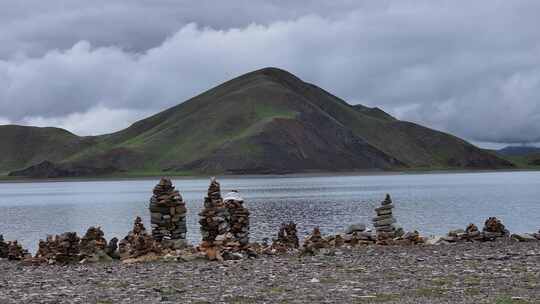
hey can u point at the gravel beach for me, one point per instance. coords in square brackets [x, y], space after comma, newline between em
[498, 272]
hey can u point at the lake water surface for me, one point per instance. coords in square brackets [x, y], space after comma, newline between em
[430, 203]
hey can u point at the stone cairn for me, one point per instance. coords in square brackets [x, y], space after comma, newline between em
[3, 248]
[168, 215]
[287, 236]
[214, 221]
[93, 242]
[138, 243]
[239, 218]
[493, 229]
[16, 252]
[286, 241]
[314, 242]
[384, 221]
[60, 249]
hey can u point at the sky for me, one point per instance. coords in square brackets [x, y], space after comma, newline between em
[471, 68]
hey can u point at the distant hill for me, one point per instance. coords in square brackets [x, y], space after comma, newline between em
[522, 155]
[518, 151]
[266, 121]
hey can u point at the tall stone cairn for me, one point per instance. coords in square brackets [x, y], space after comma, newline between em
[167, 213]
[384, 221]
[239, 217]
[215, 217]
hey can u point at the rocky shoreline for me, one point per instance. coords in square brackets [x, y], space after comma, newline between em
[226, 251]
[504, 271]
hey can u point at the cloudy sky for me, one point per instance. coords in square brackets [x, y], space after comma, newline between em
[471, 68]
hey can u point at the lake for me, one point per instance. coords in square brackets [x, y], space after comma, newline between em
[430, 203]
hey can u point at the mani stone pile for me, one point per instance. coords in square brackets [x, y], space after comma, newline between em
[138, 243]
[168, 215]
[493, 229]
[61, 249]
[384, 221]
[224, 224]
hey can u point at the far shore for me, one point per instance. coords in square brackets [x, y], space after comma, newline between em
[180, 176]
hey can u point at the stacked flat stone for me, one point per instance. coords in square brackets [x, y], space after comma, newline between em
[215, 217]
[384, 221]
[239, 218]
[314, 242]
[167, 213]
[287, 236]
[138, 242]
[16, 252]
[60, 249]
[3, 248]
[93, 241]
[494, 228]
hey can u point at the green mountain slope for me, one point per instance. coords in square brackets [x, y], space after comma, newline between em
[266, 121]
[22, 146]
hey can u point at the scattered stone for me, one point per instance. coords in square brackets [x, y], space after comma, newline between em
[168, 215]
[525, 237]
[355, 228]
[411, 238]
[138, 243]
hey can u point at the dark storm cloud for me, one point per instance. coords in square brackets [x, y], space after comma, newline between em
[472, 69]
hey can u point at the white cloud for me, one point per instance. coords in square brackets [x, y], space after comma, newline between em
[472, 69]
[96, 121]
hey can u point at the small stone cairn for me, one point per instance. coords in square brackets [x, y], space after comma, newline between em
[4, 249]
[168, 215]
[384, 221]
[493, 229]
[138, 243]
[93, 241]
[286, 241]
[12, 250]
[16, 252]
[287, 236]
[59, 249]
[314, 242]
[239, 218]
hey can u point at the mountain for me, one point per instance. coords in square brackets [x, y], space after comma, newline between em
[266, 121]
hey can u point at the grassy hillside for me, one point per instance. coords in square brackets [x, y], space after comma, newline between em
[24, 146]
[267, 121]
